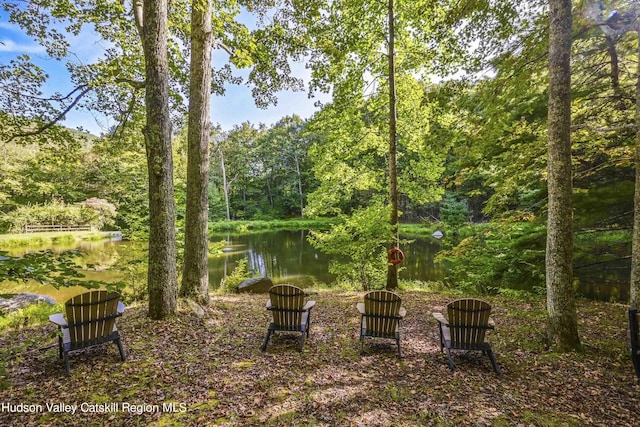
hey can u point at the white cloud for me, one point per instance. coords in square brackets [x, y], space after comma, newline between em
[6, 26]
[7, 45]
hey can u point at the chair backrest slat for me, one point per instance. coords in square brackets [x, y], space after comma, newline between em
[91, 315]
[381, 312]
[468, 321]
[287, 302]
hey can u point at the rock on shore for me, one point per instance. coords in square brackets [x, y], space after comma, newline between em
[18, 301]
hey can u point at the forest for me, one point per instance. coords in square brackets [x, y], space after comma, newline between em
[510, 127]
[440, 115]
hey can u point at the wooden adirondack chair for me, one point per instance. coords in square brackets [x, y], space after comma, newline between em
[381, 313]
[468, 321]
[289, 311]
[634, 317]
[90, 320]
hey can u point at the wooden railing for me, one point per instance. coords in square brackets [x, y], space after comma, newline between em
[34, 228]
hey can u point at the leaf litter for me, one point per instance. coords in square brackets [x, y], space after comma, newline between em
[214, 373]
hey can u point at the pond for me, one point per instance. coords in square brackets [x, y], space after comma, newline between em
[287, 257]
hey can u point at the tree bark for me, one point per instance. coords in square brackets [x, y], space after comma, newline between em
[561, 305]
[162, 276]
[299, 176]
[392, 269]
[635, 252]
[225, 185]
[195, 278]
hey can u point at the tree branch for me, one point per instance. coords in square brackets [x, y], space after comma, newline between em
[56, 119]
[133, 83]
[217, 43]
[603, 130]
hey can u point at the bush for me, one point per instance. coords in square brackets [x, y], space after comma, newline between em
[240, 273]
[498, 256]
[453, 212]
[95, 212]
[360, 242]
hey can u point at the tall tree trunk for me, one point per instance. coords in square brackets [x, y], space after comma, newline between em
[392, 269]
[162, 276]
[635, 256]
[195, 278]
[561, 304]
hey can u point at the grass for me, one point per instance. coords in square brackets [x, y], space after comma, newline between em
[212, 367]
[240, 226]
[410, 230]
[32, 315]
[48, 238]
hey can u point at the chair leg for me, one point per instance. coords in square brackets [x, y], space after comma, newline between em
[493, 361]
[266, 341]
[400, 355]
[121, 349]
[301, 341]
[66, 362]
[452, 365]
[361, 337]
[60, 347]
[636, 363]
[441, 337]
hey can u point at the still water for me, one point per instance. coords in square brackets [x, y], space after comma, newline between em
[287, 257]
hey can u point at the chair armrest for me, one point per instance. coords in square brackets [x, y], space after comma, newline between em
[309, 305]
[440, 318]
[121, 307]
[491, 323]
[268, 304]
[360, 307]
[402, 312]
[58, 319]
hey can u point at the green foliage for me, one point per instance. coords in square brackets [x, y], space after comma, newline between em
[604, 205]
[267, 171]
[135, 276]
[453, 212]
[350, 157]
[284, 224]
[47, 267]
[239, 274]
[360, 243]
[33, 314]
[498, 255]
[57, 213]
[594, 247]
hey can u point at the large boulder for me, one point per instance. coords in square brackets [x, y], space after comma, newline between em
[18, 301]
[256, 285]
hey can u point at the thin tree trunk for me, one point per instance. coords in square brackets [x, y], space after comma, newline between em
[269, 191]
[635, 255]
[195, 278]
[162, 276]
[299, 175]
[561, 304]
[392, 269]
[225, 186]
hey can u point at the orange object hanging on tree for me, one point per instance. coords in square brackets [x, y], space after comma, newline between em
[395, 256]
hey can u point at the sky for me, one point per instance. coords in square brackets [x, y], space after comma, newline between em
[235, 107]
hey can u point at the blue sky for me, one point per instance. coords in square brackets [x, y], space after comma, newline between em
[235, 107]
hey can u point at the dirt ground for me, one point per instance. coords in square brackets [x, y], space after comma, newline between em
[199, 371]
